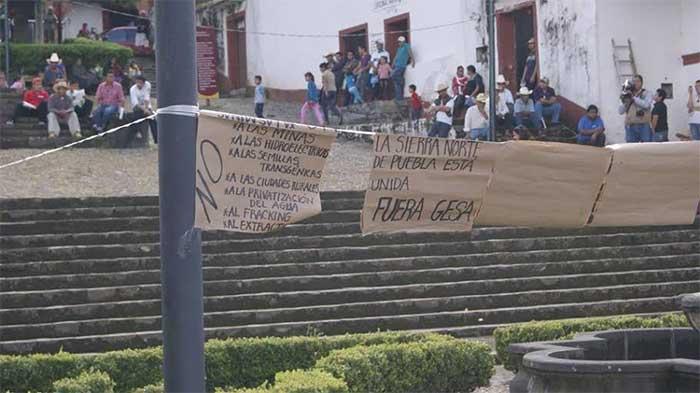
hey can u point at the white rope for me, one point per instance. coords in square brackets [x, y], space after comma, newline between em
[101, 134]
[179, 110]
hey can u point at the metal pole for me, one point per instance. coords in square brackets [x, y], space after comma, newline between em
[7, 40]
[491, 8]
[180, 245]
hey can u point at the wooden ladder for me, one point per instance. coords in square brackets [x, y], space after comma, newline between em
[623, 57]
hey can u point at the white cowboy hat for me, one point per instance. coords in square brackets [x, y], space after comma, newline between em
[501, 79]
[402, 39]
[524, 91]
[54, 58]
[441, 86]
[481, 97]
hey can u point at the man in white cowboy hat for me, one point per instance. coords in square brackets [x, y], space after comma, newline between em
[54, 70]
[504, 104]
[525, 109]
[403, 57]
[61, 110]
[442, 110]
[477, 119]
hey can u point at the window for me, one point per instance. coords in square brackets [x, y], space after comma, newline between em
[668, 88]
[118, 35]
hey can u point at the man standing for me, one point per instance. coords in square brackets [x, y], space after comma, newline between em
[337, 70]
[50, 27]
[591, 129]
[60, 109]
[374, 75]
[362, 71]
[659, 117]
[504, 104]
[259, 99]
[328, 90]
[635, 104]
[109, 98]
[442, 109]
[694, 110]
[530, 68]
[546, 102]
[404, 55]
[143, 30]
[475, 86]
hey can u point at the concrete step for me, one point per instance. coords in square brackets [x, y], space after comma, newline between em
[494, 317]
[344, 247]
[92, 202]
[222, 295]
[214, 304]
[465, 304]
[43, 142]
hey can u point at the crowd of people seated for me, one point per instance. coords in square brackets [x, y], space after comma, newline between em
[56, 98]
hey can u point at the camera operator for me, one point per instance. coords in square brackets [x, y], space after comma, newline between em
[636, 105]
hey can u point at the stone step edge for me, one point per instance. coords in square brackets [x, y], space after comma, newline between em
[335, 275]
[331, 306]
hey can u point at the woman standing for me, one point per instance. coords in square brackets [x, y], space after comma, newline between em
[311, 103]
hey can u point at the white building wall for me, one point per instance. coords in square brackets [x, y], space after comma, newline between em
[568, 48]
[655, 30]
[690, 43]
[80, 14]
[282, 61]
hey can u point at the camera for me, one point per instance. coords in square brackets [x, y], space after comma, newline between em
[627, 89]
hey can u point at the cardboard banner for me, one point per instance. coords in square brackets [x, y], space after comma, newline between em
[206, 63]
[422, 184]
[543, 184]
[650, 184]
[257, 175]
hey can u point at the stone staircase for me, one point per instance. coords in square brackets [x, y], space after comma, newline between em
[26, 133]
[82, 275]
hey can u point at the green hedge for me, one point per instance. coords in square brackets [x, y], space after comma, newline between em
[154, 388]
[31, 58]
[246, 362]
[440, 366]
[298, 381]
[567, 328]
[86, 382]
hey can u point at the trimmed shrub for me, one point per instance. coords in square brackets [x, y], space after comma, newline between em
[246, 362]
[86, 382]
[298, 381]
[440, 366]
[31, 58]
[567, 328]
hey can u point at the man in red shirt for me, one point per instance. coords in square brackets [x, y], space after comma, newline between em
[34, 104]
[109, 98]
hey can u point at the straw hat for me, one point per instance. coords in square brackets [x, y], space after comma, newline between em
[54, 58]
[60, 84]
[501, 79]
[402, 39]
[481, 97]
[441, 87]
[524, 91]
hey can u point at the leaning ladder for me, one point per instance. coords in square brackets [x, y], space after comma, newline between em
[623, 57]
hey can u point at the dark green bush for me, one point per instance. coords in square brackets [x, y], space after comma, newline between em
[155, 388]
[86, 382]
[31, 58]
[567, 328]
[246, 362]
[440, 366]
[297, 381]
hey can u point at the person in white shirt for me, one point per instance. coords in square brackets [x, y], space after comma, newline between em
[477, 119]
[373, 70]
[140, 97]
[81, 105]
[694, 110]
[442, 109]
[504, 104]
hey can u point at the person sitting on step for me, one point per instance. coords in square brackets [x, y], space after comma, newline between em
[61, 110]
[546, 103]
[81, 105]
[33, 104]
[110, 99]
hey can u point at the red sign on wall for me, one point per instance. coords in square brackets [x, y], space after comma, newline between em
[206, 63]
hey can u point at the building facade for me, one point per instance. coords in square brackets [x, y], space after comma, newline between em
[285, 39]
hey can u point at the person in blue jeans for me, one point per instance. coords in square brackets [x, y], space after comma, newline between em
[351, 87]
[442, 110]
[694, 110]
[636, 105]
[545, 102]
[591, 129]
[659, 117]
[404, 55]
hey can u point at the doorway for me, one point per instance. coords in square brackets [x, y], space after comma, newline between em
[237, 57]
[352, 38]
[515, 28]
[394, 28]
